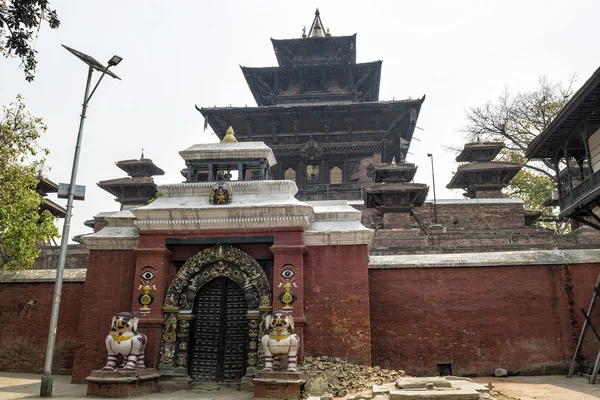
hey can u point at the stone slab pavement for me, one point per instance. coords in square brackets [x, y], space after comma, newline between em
[27, 386]
[545, 387]
[551, 387]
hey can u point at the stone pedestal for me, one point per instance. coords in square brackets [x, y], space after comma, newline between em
[278, 385]
[122, 383]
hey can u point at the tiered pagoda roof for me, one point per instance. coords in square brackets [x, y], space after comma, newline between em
[319, 110]
[44, 187]
[481, 177]
[139, 187]
[394, 190]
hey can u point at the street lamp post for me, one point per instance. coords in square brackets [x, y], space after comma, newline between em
[93, 64]
[435, 219]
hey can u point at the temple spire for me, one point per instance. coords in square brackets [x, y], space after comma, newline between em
[317, 29]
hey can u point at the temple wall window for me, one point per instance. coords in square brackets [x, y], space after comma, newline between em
[290, 174]
[335, 176]
[312, 173]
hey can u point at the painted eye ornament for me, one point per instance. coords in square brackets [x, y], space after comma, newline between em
[287, 273]
[148, 275]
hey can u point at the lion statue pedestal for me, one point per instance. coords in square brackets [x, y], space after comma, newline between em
[279, 342]
[132, 378]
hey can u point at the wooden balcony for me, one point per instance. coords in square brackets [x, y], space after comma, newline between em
[587, 192]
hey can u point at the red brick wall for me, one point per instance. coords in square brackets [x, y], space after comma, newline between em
[108, 291]
[25, 318]
[470, 216]
[336, 302]
[522, 318]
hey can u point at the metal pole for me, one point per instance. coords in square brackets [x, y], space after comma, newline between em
[435, 218]
[47, 379]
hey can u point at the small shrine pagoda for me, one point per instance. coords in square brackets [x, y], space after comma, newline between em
[137, 189]
[480, 176]
[319, 110]
[393, 194]
[44, 187]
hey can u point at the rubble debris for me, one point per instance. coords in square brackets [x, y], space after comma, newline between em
[337, 377]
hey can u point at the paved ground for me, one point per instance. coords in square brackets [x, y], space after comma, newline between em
[548, 387]
[26, 386]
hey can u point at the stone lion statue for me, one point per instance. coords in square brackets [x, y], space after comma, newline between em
[124, 339]
[280, 341]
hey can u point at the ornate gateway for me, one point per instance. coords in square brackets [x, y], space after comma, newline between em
[212, 312]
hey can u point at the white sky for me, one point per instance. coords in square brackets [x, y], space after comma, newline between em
[180, 53]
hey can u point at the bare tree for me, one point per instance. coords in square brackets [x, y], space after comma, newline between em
[517, 119]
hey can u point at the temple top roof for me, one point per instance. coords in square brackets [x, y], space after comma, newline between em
[401, 172]
[317, 47]
[479, 151]
[141, 167]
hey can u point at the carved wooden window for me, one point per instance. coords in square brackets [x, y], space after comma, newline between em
[312, 173]
[290, 174]
[335, 176]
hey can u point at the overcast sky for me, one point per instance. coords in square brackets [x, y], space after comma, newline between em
[180, 53]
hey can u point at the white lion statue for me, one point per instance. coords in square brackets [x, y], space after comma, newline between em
[280, 341]
[124, 339]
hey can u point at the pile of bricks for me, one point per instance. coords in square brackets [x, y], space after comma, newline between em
[332, 375]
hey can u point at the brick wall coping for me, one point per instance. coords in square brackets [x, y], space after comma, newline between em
[42, 275]
[476, 201]
[490, 259]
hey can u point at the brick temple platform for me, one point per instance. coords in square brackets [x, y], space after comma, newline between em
[278, 385]
[122, 383]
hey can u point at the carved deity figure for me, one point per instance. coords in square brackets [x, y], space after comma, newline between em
[279, 341]
[124, 339]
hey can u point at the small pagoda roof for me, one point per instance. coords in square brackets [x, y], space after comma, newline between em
[582, 106]
[136, 181]
[116, 186]
[405, 171]
[141, 167]
[479, 151]
[53, 208]
[462, 177]
[241, 151]
[46, 186]
[397, 187]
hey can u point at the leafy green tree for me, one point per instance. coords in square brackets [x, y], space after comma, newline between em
[22, 225]
[20, 22]
[516, 119]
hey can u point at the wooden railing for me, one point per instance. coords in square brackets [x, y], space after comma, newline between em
[576, 195]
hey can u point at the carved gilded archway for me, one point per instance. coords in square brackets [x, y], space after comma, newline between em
[221, 261]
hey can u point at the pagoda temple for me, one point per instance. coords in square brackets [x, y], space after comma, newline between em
[394, 194]
[320, 113]
[138, 188]
[480, 176]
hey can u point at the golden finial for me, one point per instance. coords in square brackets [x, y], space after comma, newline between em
[304, 31]
[229, 136]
